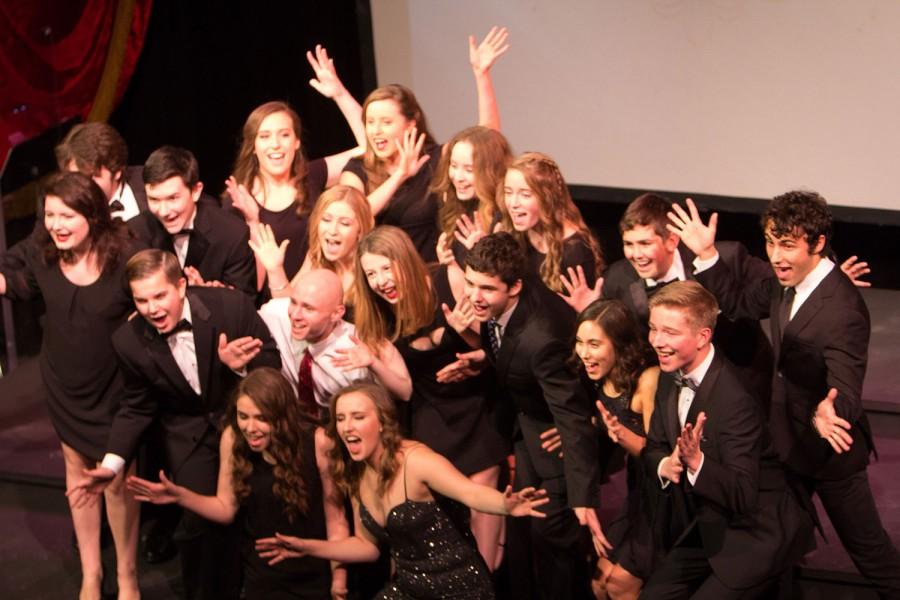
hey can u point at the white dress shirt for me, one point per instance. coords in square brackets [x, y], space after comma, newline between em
[809, 284]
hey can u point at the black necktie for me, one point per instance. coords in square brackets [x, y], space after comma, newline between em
[784, 309]
[116, 206]
[685, 382]
[182, 325]
[492, 326]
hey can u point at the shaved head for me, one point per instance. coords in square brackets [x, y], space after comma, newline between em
[317, 305]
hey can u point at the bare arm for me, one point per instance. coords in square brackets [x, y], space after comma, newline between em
[390, 369]
[336, 526]
[482, 57]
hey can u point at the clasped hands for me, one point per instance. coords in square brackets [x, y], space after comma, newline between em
[687, 452]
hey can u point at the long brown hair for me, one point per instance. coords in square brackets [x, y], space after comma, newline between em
[376, 170]
[490, 157]
[108, 237]
[633, 354]
[276, 400]
[557, 209]
[246, 165]
[346, 472]
[415, 307]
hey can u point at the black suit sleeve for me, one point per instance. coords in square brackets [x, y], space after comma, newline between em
[254, 326]
[15, 266]
[240, 267]
[749, 298]
[845, 353]
[137, 409]
[571, 412]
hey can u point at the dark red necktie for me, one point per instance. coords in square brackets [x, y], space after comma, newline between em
[305, 391]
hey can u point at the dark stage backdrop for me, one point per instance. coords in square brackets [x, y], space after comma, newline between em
[206, 65]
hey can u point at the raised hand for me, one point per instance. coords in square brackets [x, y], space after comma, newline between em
[267, 250]
[829, 426]
[483, 55]
[444, 251]
[243, 201]
[409, 150]
[280, 547]
[326, 81]
[238, 352]
[689, 443]
[468, 232]
[193, 276]
[613, 426]
[671, 467]
[156, 492]
[588, 517]
[358, 356]
[468, 364]
[854, 270]
[86, 491]
[551, 441]
[462, 316]
[578, 295]
[524, 502]
[688, 226]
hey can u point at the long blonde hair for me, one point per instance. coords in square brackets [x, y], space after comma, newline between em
[415, 307]
[557, 210]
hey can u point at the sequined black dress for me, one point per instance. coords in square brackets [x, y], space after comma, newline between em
[434, 554]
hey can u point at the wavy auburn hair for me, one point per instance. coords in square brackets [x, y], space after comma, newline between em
[276, 400]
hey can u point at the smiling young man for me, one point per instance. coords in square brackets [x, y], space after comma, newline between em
[654, 258]
[180, 360]
[529, 352]
[820, 333]
[320, 353]
[210, 243]
[733, 527]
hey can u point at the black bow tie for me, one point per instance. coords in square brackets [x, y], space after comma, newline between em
[652, 289]
[182, 325]
[116, 206]
[685, 382]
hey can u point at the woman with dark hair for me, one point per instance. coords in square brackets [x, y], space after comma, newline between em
[272, 182]
[617, 367]
[75, 262]
[400, 491]
[538, 209]
[396, 299]
[273, 476]
[401, 155]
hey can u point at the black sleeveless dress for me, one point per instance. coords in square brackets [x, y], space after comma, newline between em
[630, 532]
[262, 514]
[434, 553]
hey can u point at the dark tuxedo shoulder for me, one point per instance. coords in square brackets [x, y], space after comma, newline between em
[219, 301]
[844, 291]
[145, 227]
[618, 277]
[219, 217]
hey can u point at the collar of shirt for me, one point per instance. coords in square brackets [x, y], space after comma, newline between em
[676, 271]
[189, 225]
[326, 343]
[812, 280]
[125, 195]
[700, 370]
[504, 318]
[186, 315]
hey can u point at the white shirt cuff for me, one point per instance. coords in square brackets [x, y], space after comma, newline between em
[701, 265]
[663, 482]
[242, 372]
[113, 462]
[692, 475]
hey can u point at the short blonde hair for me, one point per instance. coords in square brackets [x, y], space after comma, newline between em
[700, 305]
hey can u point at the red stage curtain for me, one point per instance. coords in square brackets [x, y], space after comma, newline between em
[53, 58]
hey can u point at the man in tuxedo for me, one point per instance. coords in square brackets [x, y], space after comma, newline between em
[654, 258]
[820, 332]
[211, 244]
[180, 362]
[528, 350]
[733, 524]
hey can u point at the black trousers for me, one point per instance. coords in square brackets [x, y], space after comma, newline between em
[686, 573]
[851, 508]
[560, 547]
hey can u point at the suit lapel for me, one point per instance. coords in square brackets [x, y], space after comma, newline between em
[205, 341]
[673, 427]
[510, 339]
[703, 396]
[813, 304]
[161, 354]
[199, 240]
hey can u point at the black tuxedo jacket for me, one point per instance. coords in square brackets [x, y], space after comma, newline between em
[741, 340]
[750, 524]
[824, 346]
[218, 246]
[156, 389]
[539, 388]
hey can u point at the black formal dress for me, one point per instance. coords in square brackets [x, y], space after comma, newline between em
[575, 252]
[739, 520]
[412, 208]
[824, 346]
[740, 339]
[218, 245]
[540, 391]
[435, 555]
[262, 514]
[78, 365]
[453, 419]
[156, 390]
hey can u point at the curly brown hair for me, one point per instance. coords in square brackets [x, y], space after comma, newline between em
[346, 472]
[800, 213]
[276, 400]
[557, 209]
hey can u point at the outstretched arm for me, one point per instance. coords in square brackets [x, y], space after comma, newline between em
[336, 526]
[482, 57]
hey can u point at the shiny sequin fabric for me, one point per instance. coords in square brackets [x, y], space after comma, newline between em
[434, 560]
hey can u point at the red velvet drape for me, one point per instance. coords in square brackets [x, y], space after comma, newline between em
[52, 57]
